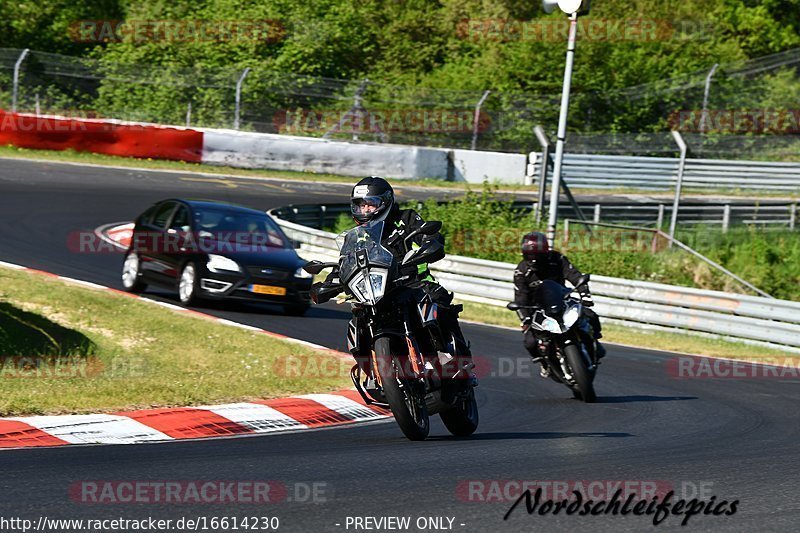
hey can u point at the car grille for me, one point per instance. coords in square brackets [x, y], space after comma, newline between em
[267, 273]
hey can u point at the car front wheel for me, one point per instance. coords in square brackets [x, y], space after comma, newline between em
[188, 284]
[131, 270]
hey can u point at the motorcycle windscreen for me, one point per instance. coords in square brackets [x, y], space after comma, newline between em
[549, 295]
[367, 238]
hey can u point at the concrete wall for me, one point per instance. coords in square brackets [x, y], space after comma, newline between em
[284, 152]
[477, 167]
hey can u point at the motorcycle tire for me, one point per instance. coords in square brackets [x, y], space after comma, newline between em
[462, 419]
[409, 410]
[583, 378]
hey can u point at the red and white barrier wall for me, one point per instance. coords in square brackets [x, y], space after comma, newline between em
[100, 137]
[257, 150]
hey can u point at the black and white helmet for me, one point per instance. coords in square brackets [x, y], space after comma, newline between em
[371, 200]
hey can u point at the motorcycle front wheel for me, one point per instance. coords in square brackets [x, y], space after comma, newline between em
[462, 419]
[583, 378]
[408, 408]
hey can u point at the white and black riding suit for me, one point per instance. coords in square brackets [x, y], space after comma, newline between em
[555, 267]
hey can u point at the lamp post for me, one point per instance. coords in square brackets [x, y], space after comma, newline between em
[572, 8]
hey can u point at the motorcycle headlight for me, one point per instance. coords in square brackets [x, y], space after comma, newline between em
[571, 316]
[551, 325]
[302, 274]
[358, 286]
[219, 263]
[369, 290]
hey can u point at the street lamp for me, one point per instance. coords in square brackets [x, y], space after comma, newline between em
[572, 8]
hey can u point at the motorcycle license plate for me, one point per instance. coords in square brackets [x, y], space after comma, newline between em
[268, 289]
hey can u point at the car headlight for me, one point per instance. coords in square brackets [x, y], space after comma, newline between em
[219, 263]
[302, 274]
[572, 315]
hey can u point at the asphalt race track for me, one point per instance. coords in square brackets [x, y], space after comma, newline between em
[731, 439]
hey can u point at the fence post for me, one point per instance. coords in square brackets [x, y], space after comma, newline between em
[545, 143]
[726, 217]
[660, 221]
[596, 213]
[792, 216]
[38, 108]
[477, 119]
[189, 115]
[239, 98]
[322, 210]
[566, 230]
[15, 89]
[681, 166]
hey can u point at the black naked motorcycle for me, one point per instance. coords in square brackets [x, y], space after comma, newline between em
[564, 334]
[407, 362]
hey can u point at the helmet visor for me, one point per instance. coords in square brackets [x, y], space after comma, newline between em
[366, 205]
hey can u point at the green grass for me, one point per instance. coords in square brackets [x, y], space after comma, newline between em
[656, 340]
[132, 354]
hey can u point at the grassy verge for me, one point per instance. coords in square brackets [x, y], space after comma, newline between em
[657, 340]
[127, 354]
[72, 156]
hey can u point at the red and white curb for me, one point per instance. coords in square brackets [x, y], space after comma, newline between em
[310, 411]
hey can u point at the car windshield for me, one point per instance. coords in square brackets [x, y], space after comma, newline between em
[239, 227]
[367, 238]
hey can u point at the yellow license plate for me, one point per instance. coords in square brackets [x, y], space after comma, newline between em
[268, 289]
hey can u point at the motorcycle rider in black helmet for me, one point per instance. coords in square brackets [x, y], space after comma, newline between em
[540, 263]
[372, 200]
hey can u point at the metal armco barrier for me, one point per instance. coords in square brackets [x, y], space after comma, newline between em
[751, 319]
[772, 212]
[659, 173]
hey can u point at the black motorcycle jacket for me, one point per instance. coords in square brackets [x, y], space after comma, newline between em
[555, 267]
[397, 224]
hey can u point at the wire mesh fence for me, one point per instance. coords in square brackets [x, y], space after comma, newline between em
[742, 110]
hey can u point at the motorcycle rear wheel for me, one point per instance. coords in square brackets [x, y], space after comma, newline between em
[409, 410]
[583, 378]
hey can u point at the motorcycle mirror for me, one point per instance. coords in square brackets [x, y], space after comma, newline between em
[315, 267]
[427, 228]
[513, 306]
[430, 227]
[429, 253]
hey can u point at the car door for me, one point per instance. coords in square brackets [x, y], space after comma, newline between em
[175, 251]
[154, 264]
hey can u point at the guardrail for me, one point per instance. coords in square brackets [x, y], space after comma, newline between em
[773, 213]
[659, 173]
[750, 319]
